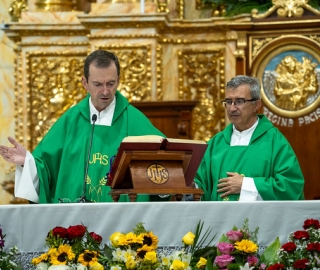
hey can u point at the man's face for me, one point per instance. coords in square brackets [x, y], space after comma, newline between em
[102, 85]
[243, 116]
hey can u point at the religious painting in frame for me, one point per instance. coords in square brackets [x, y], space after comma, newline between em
[290, 77]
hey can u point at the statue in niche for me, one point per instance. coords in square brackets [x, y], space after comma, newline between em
[295, 82]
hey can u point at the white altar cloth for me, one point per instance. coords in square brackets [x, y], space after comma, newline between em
[26, 226]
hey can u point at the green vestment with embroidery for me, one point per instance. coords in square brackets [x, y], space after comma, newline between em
[268, 159]
[61, 156]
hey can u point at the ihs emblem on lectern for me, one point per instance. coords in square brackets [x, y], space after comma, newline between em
[157, 173]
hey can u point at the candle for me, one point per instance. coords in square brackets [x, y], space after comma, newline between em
[142, 6]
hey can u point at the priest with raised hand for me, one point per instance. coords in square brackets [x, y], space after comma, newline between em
[59, 169]
[250, 160]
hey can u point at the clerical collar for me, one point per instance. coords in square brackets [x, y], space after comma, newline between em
[242, 137]
[104, 117]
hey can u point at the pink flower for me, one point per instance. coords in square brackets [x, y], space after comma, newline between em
[223, 260]
[234, 235]
[225, 248]
[252, 260]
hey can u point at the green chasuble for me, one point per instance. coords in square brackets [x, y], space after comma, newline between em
[268, 159]
[61, 155]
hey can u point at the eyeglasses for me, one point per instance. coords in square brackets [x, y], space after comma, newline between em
[238, 102]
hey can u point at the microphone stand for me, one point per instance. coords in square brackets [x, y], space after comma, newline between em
[83, 197]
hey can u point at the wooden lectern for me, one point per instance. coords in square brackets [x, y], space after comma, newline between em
[156, 166]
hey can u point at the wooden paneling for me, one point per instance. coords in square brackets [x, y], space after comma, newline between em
[173, 118]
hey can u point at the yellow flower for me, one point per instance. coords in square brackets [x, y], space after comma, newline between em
[61, 255]
[96, 266]
[114, 238]
[177, 265]
[188, 239]
[201, 263]
[130, 263]
[141, 252]
[151, 256]
[88, 258]
[246, 246]
[41, 258]
[150, 239]
[130, 238]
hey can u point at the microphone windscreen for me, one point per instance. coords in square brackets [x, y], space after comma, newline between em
[94, 118]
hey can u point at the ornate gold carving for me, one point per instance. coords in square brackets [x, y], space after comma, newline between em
[241, 44]
[54, 85]
[162, 6]
[159, 54]
[180, 8]
[15, 9]
[135, 76]
[177, 40]
[55, 5]
[258, 44]
[201, 77]
[309, 75]
[315, 38]
[295, 83]
[286, 8]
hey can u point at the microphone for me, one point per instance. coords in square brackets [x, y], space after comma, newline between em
[83, 197]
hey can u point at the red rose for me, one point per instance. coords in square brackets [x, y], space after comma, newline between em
[59, 231]
[96, 237]
[277, 266]
[311, 223]
[301, 235]
[301, 264]
[77, 231]
[313, 246]
[289, 247]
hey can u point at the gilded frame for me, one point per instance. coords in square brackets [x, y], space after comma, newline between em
[298, 47]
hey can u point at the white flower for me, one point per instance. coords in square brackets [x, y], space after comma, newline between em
[81, 267]
[246, 267]
[116, 268]
[59, 267]
[42, 266]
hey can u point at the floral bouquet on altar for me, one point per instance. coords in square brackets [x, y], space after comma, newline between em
[138, 250]
[7, 259]
[238, 250]
[302, 251]
[70, 248]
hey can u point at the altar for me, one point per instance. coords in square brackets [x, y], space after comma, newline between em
[26, 226]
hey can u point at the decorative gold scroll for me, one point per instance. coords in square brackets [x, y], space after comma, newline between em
[54, 85]
[286, 8]
[135, 76]
[15, 9]
[201, 77]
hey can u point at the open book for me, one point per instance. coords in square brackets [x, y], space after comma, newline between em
[194, 148]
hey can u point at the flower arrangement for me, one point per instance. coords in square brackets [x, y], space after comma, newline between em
[137, 250]
[132, 250]
[70, 248]
[195, 254]
[7, 258]
[302, 251]
[238, 249]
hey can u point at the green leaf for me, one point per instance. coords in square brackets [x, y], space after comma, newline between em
[270, 253]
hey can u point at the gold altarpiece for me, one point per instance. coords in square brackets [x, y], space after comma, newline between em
[164, 56]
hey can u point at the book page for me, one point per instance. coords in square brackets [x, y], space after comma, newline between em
[175, 140]
[144, 138]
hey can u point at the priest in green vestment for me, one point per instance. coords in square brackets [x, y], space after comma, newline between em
[250, 160]
[55, 171]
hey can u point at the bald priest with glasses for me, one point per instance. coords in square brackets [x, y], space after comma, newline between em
[250, 160]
